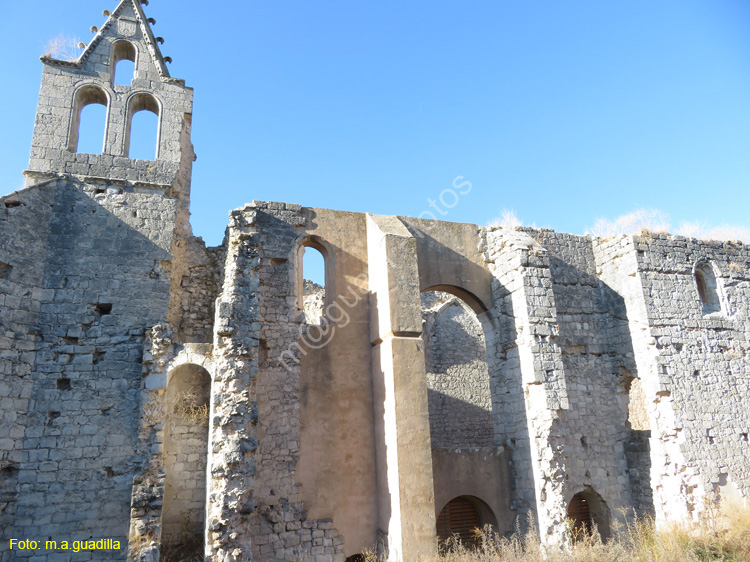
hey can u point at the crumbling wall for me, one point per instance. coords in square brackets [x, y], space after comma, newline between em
[703, 361]
[250, 341]
[200, 276]
[527, 375]
[594, 452]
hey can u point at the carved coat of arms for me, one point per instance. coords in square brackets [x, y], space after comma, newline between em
[126, 27]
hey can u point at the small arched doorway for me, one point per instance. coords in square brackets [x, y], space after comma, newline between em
[463, 517]
[587, 513]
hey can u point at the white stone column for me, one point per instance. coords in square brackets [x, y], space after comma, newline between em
[406, 504]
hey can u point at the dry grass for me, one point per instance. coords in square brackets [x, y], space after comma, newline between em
[723, 538]
[186, 546]
[63, 47]
[192, 408]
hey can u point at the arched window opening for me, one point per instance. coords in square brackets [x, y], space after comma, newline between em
[588, 513]
[462, 519]
[705, 279]
[123, 63]
[185, 459]
[312, 280]
[458, 380]
[89, 126]
[142, 137]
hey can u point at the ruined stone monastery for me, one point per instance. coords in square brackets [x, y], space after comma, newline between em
[160, 393]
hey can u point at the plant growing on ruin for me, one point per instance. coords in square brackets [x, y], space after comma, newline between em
[63, 47]
[191, 407]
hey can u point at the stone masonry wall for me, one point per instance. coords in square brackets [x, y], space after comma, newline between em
[200, 279]
[105, 279]
[280, 526]
[24, 222]
[185, 453]
[702, 354]
[458, 382]
[525, 369]
[255, 432]
[552, 375]
[595, 453]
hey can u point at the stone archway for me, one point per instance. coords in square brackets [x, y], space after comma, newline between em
[185, 458]
[588, 513]
[463, 517]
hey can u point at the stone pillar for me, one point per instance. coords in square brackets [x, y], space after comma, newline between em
[523, 292]
[677, 488]
[232, 433]
[406, 503]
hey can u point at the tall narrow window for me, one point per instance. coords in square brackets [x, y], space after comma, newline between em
[313, 284]
[142, 136]
[123, 63]
[705, 279]
[88, 129]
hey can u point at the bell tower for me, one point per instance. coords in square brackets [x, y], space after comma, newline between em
[69, 86]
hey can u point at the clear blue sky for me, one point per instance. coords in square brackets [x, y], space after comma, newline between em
[563, 111]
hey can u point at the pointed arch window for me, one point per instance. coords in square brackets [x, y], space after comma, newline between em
[124, 55]
[142, 132]
[88, 129]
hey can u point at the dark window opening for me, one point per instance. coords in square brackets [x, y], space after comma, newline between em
[103, 308]
[705, 279]
[63, 383]
[587, 513]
